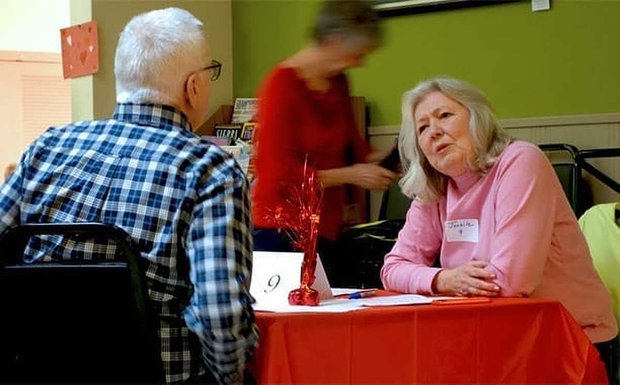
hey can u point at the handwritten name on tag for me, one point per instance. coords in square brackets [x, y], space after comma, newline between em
[461, 230]
[275, 274]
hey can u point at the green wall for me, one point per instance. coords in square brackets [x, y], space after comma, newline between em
[265, 32]
[565, 61]
[113, 15]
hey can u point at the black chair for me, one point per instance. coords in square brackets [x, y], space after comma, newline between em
[394, 204]
[569, 172]
[75, 322]
[582, 161]
[365, 245]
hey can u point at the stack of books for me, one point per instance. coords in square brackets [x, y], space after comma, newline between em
[237, 135]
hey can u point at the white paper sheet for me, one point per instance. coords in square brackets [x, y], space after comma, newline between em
[343, 290]
[395, 300]
[334, 305]
[339, 305]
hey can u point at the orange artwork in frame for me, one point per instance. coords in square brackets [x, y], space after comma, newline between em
[80, 50]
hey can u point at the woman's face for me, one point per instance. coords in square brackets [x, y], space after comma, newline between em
[346, 54]
[442, 129]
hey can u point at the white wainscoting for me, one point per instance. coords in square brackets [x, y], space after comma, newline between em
[582, 131]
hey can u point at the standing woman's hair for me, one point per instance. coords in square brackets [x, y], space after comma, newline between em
[156, 53]
[351, 19]
[421, 180]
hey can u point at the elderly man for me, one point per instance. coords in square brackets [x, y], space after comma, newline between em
[183, 200]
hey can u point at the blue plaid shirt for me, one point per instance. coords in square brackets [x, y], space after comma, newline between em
[183, 200]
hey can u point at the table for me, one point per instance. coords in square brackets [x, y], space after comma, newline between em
[509, 340]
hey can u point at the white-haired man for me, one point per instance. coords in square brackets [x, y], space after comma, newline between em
[183, 200]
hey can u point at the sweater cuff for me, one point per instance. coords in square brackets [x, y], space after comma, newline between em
[426, 279]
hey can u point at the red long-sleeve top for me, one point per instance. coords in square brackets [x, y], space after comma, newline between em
[294, 121]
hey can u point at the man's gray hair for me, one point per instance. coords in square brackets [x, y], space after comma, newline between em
[420, 179]
[156, 52]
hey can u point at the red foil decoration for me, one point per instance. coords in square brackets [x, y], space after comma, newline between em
[299, 219]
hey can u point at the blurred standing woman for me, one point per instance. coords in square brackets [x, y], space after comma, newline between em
[305, 109]
[492, 210]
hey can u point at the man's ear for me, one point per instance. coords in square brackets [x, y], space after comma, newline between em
[191, 90]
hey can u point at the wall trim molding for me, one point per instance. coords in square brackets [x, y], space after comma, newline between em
[566, 120]
[542, 121]
[24, 56]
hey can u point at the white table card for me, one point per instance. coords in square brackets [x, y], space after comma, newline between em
[275, 274]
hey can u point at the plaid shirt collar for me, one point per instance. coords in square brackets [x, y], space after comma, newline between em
[154, 115]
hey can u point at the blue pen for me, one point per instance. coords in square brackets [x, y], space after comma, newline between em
[362, 294]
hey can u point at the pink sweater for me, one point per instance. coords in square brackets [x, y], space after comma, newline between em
[518, 219]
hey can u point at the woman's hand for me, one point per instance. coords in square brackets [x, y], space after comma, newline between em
[469, 279]
[366, 175]
[371, 177]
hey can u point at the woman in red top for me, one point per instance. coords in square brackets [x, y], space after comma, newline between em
[305, 110]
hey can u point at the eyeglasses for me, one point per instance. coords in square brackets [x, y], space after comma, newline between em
[215, 68]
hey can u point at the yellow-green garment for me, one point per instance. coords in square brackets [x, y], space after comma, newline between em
[603, 235]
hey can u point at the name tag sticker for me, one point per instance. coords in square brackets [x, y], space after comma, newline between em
[461, 230]
[275, 274]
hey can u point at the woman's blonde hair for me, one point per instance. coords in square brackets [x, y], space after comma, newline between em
[420, 179]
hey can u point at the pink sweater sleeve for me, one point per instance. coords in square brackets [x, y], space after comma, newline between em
[526, 199]
[407, 267]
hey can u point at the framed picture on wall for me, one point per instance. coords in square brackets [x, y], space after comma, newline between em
[406, 7]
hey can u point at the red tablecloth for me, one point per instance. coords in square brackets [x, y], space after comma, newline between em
[509, 340]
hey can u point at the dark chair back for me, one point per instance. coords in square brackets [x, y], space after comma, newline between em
[569, 172]
[79, 321]
[394, 204]
[365, 245]
[607, 180]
